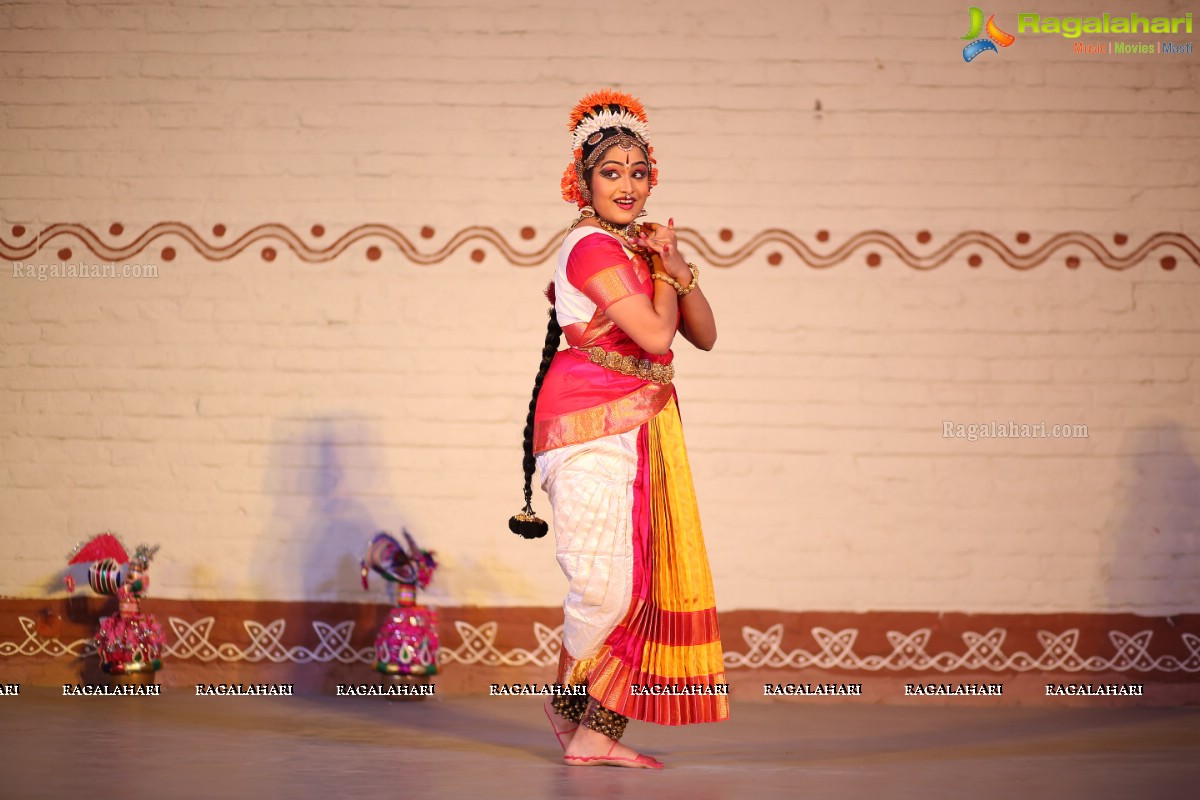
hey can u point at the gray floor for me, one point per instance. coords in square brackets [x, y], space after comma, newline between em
[180, 746]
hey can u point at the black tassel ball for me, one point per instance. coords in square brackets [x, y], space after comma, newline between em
[528, 526]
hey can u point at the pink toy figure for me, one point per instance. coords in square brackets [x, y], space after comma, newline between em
[406, 647]
[129, 644]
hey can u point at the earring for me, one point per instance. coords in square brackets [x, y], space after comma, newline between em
[642, 213]
[584, 213]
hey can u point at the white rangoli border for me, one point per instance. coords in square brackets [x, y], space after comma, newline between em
[984, 652]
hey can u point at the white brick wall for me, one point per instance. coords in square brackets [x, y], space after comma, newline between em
[260, 420]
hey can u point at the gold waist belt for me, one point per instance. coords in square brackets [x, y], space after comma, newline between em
[642, 368]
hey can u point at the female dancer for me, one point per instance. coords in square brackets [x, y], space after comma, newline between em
[640, 627]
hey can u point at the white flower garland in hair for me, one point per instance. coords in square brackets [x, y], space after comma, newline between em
[609, 119]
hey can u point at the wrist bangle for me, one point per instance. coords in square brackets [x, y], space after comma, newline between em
[680, 289]
[665, 278]
[695, 279]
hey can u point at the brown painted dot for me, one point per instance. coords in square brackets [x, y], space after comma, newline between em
[975, 260]
[373, 253]
[1120, 238]
[822, 236]
[725, 234]
[168, 253]
[1022, 237]
[527, 232]
[775, 259]
[268, 253]
[477, 255]
[218, 229]
[116, 229]
[18, 230]
[1072, 262]
[924, 236]
[318, 230]
[1167, 263]
[64, 253]
[873, 260]
[427, 232]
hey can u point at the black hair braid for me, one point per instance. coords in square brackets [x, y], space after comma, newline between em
[526, 523]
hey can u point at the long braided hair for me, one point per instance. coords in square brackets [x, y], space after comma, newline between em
[526, 523]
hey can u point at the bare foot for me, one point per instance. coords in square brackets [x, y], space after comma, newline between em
[564, 730]
[591, 749]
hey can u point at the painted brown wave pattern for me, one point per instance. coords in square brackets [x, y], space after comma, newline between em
[966, 246]
[873, 247]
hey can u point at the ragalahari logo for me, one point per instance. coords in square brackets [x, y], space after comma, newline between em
[994, 37]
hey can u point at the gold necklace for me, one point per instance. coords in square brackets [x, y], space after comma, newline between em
[627, 233]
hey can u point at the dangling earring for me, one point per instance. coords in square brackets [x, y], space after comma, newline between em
[642, 213]
[584, 213]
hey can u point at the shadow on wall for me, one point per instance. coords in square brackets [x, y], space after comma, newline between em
[1155, 563]
[330, 489]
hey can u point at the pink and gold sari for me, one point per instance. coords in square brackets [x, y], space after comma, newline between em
[640, 609]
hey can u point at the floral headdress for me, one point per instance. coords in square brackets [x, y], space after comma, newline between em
[598, 121]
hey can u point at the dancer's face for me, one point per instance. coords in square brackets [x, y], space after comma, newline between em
[620, 184]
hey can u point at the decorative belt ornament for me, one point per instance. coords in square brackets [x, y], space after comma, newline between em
[129, 643]
[406, 647]
[642, 368]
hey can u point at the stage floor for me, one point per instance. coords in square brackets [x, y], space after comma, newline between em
[181, 746]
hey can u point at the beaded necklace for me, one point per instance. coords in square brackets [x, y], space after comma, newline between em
[627, 235]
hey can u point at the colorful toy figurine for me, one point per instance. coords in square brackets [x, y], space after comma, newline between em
[129, 643]
[406, 647]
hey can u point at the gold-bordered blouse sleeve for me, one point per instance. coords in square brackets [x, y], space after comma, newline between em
[612, 284]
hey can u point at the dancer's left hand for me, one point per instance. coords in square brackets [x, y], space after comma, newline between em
[662, 240]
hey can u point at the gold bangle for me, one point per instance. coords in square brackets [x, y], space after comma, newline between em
[665, 278]
[695, 279]
[680, 289]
